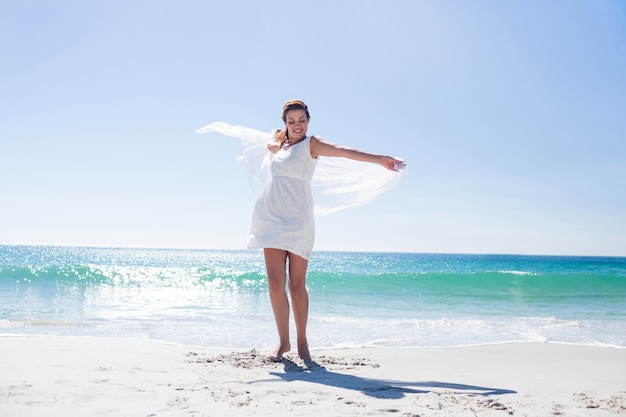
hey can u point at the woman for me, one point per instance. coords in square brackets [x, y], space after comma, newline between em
[283, 221]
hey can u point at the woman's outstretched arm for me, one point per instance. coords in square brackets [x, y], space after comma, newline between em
[320, 147]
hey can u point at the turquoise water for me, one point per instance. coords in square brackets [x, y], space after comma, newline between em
[217, 298]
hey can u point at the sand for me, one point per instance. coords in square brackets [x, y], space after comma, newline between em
[68, 377]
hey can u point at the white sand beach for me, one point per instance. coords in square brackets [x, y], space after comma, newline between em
[69, 377]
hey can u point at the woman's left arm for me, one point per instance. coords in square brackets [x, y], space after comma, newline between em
[320, 147]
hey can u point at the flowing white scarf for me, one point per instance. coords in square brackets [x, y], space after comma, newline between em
[337, 184]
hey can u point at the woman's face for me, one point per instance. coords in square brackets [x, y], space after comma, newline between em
[296, 124]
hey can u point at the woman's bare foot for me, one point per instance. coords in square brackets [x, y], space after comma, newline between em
[277, 355]
[303, 351]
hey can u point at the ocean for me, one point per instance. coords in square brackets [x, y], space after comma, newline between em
[219, 299]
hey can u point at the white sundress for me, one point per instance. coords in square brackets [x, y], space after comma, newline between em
[283, 216]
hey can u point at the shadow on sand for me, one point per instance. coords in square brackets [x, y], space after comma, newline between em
[379, 388]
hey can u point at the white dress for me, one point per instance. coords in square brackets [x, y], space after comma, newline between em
[283, 216]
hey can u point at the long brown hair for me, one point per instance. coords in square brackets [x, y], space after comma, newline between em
[283, 135]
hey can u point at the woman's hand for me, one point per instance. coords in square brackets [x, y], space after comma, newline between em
[392, 164]
[273, 147]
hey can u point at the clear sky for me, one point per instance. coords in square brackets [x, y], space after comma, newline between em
[511, 116]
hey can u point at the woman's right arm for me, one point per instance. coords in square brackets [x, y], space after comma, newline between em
[277, 141]
[273, 146]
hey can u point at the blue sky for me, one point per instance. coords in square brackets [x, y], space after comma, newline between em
[510, 116]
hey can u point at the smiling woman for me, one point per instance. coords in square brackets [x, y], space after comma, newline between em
[283, 222]
[283, 218]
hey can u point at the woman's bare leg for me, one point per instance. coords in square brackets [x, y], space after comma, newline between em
[275, 263]
[300, 301]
